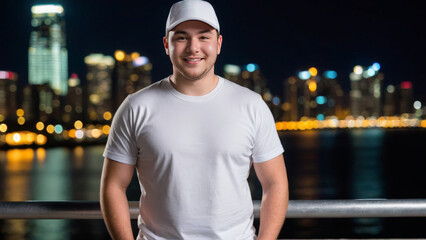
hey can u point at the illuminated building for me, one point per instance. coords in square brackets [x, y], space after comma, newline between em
[365, 93]
[250, 76]
[73, 104]
[99, 84]
[233, 73]
[41, 103]
[308, 95]
[8, 98]
[131, 73]
[47, 54]
[330, 99]
[406, 97]
[293, 101]
[390, 101]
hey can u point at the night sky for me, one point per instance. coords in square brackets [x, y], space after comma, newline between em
[282, 37]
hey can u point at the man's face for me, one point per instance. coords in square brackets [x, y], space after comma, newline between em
[193, 47]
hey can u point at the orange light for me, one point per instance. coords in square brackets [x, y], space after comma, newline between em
[107, 116]
[119, 55]
[106, 129]
[40, 126]
[312, 86]
[20, 112]
[78, 124]
[313, 71]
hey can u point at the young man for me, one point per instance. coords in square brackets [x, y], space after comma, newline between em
[192, 138]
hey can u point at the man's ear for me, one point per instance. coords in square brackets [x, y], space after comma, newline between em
[219, 44]
[166, 45]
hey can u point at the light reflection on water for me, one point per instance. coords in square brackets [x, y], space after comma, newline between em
[324, 164]
[53, 174]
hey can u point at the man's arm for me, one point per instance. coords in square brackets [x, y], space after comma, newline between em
[115, 179]
[272, 175]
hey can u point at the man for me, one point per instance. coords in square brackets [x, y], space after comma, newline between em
[192, 138]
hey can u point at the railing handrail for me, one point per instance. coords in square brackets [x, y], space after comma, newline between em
[367, 208]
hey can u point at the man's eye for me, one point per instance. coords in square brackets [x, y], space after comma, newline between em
[180, 38]
[204, 38]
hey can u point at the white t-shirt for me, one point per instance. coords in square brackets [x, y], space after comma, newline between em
[193, 155]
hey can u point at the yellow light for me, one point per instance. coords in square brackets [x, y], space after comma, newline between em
[40, 126]
[1, 118]
[96, 133]
[312, 86]
[107, 116]
[41, 139]
[279, 126]
[423, 124]
[358, 69]
[119, 55]
[29, 137]
[313, 71]
[41, 153]
[78, 124]
[21, 120]
[3, 127]
[16, 137]
[50, 128]
[20, 112]
[105, 129]
[135, 55]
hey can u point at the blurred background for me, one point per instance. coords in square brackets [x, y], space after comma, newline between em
[344, 81]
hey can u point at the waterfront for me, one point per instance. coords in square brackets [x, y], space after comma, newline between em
[322, 164]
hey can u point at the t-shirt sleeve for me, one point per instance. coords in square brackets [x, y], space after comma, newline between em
[121, 144]
[267, 143]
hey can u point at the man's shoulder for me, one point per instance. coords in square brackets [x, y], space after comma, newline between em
[240, 92]
[151, 92]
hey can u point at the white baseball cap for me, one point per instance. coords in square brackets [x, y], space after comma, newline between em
[191, 10]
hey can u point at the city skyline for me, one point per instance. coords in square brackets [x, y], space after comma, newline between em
[280, 39]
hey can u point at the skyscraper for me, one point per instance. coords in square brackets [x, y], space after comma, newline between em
[7, 95]
[132, 72]
[99, 86]
[47, 54]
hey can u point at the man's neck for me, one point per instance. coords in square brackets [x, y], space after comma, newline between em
[192, 87]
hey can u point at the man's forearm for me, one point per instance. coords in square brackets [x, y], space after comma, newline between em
[272, 211]
[115, 209]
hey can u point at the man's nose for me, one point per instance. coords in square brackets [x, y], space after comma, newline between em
[193, 45]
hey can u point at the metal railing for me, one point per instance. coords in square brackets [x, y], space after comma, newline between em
[368, 208]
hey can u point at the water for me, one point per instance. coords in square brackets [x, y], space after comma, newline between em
[326, 164]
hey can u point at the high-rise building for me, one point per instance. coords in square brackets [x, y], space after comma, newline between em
[8, 89]
[308, 95]
[73, 104]
[406, 98]
[99, 86]
[366, 91]
[47, 54]
[132, 72]
[41, 103]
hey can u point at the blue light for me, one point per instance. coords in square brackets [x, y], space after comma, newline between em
[140, 61]
[304, 75]
[330, 74]
[371, 72]
[376, 66]
[321, 100]
[276, 101]
[251, 67]
[320, 117]
[58, 128]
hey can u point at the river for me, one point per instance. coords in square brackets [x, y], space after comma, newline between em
[321, 164]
